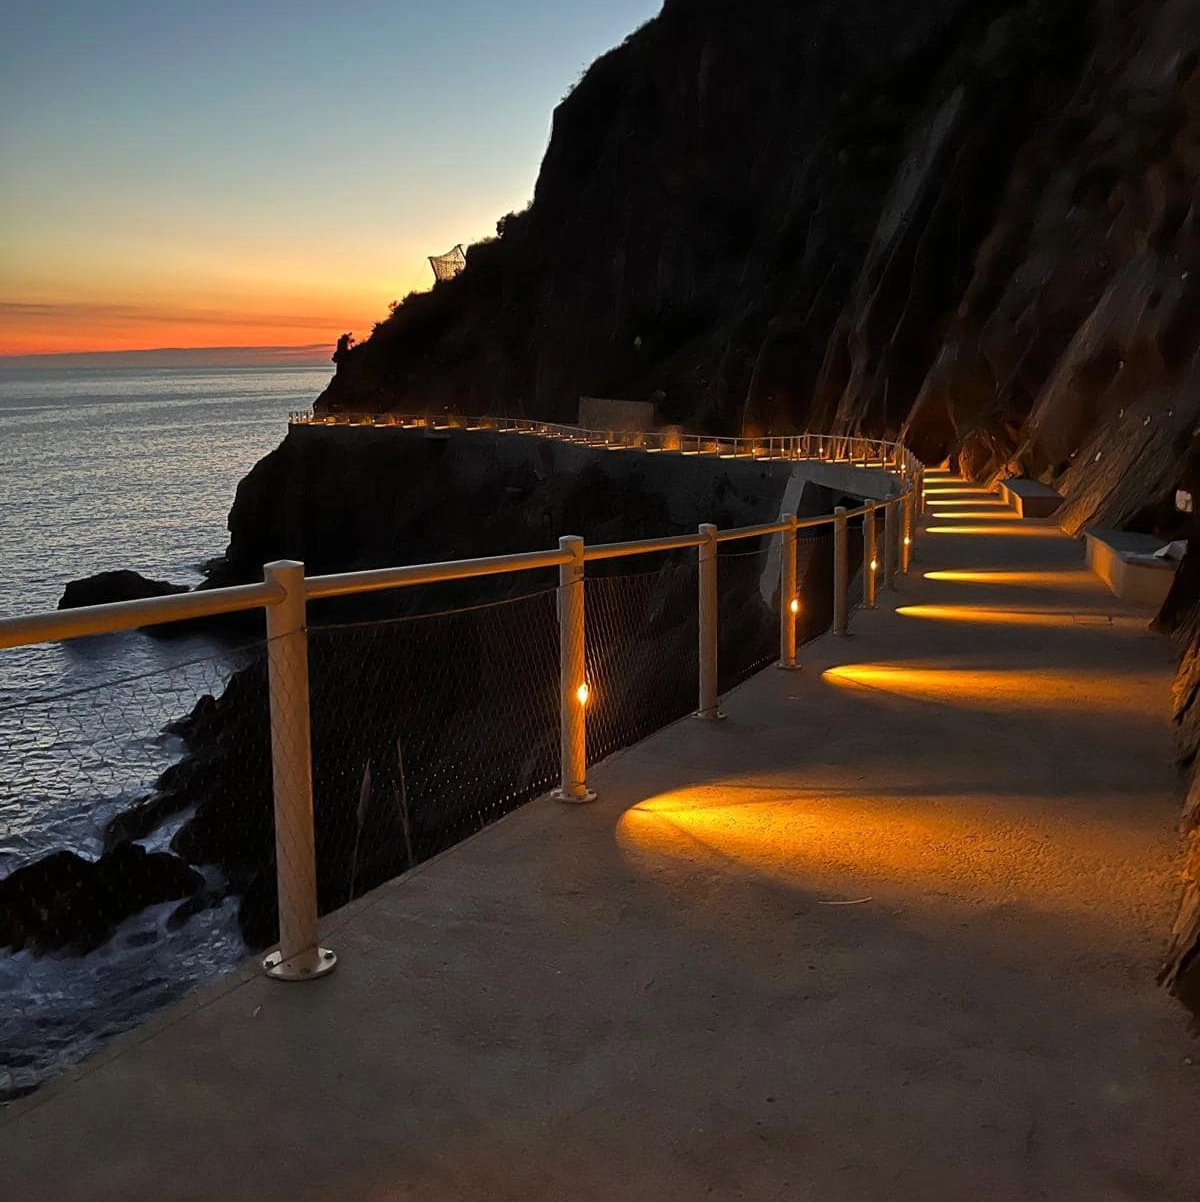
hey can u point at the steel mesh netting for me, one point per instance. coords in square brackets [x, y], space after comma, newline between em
[642, 653]
[447, 266]
[814, 583]
[425, 729]
[748, 609]
[855, 543]
[104, 916]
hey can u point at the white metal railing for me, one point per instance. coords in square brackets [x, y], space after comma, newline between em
[285, 592]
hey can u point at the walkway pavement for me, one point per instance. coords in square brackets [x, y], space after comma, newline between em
[890, 932]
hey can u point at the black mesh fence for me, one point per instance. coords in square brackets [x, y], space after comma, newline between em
[748, 625]
[642, 653]
[425, 729]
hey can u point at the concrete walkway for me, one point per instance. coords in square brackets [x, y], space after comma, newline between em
[889, 932]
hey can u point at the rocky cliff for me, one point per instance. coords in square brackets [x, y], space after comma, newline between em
[970, 222]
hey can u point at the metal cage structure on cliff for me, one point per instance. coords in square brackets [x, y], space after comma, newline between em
[447, 266]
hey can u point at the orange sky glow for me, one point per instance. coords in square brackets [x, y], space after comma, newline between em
[257, 174]
[38, 329]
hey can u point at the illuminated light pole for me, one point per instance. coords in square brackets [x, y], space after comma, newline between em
[841, 572]
[710, 707]
[870, 559]
[573, 686]
[789, 602]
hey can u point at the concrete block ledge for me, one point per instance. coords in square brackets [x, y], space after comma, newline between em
[1127, 564]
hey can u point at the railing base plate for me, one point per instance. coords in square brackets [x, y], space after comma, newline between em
[715, 717]
[573, 798]
[296, 969]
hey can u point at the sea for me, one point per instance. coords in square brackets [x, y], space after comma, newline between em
[110, 468]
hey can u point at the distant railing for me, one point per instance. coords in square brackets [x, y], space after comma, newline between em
[285, 592]
[867, 452]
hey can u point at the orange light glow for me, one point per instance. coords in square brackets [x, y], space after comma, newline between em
[583, 692]
[874, 565]
[972, 503]
[1018, 617]
[795, 605]
[846, 842]
[1076, 579]
[1014, 529]
[978, 515]
[957, 496]
[999, 691]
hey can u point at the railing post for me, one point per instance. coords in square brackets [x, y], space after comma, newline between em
[572, 675]
[870, 559]
[299, 957]
[890, 540]
[789, 597]
[841, 572]
[710, 708]
[907, 529]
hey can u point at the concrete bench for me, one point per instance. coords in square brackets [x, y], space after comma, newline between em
[1127, 564]
[1030, 498]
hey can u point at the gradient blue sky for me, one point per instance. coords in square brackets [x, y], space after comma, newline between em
[264, 173]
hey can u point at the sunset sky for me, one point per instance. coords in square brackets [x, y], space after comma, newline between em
[267, 172]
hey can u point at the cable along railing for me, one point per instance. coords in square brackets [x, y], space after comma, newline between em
[285, 591]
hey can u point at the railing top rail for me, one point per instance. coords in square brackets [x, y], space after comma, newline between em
[646, 546]
[129, 615]
[373, 580]
[734, 533]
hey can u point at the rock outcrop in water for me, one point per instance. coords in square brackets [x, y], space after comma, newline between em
[66, 902]
[104, 588]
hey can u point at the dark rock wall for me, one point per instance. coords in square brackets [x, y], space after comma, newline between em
[344, 498]
[1180, 619]
[970, 222]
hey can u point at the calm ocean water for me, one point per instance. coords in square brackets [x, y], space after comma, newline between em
[104, 469]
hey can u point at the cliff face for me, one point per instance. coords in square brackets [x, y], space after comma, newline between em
[970, 222]
[1180, 619]
[345, 498]
[711, 191]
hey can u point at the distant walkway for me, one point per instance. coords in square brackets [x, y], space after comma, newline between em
[889, 932]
